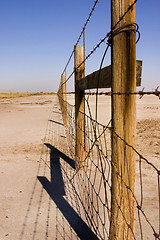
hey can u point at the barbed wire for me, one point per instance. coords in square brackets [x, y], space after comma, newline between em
[108, 36]
[96, 144]
[89, 190]
[95, 163]
[121, 18]
[141, 93]
[84, 27]
[88, 56]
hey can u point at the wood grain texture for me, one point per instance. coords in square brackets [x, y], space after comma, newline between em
[79, 109]
[123, 74]
[102, 78]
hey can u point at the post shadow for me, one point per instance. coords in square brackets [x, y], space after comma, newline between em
[56, 190]
[55, 153]
[56, 122]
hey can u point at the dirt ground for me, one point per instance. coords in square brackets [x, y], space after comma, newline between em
[25, 206]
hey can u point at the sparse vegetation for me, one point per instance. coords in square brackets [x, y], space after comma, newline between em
[25, 94]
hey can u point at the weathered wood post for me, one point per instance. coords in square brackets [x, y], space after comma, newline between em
[63, 86]
[64, 103]
[62, 99]
[123, 59]
[59, 93]
[79, 109]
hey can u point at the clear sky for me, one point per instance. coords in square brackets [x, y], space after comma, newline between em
[37, 37]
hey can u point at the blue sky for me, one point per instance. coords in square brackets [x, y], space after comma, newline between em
[37, 37]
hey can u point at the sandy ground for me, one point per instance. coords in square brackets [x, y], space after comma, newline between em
[26, 210]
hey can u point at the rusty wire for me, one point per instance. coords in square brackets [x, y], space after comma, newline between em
[95, 161]
[122, 17]
[82, 32]
[141, 93]
[90, 201]
[99, 160]
[108, 36]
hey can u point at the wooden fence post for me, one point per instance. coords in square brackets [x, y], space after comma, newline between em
[62, 99]
[64, 103]
[79, 109]
[63, 86]
[123, 62]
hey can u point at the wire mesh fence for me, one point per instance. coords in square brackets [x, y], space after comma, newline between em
[112, 201]
[94, 185]
[77, 204]
[80, 186]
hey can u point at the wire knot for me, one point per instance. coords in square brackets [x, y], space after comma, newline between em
[131, 27]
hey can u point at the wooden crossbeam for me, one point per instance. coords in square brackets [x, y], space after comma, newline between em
[103, 80]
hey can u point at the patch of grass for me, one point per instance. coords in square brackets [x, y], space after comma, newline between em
[24, 94]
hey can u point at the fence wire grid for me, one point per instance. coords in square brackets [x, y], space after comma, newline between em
[81, 197]
[95, 189]
[92, 177]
